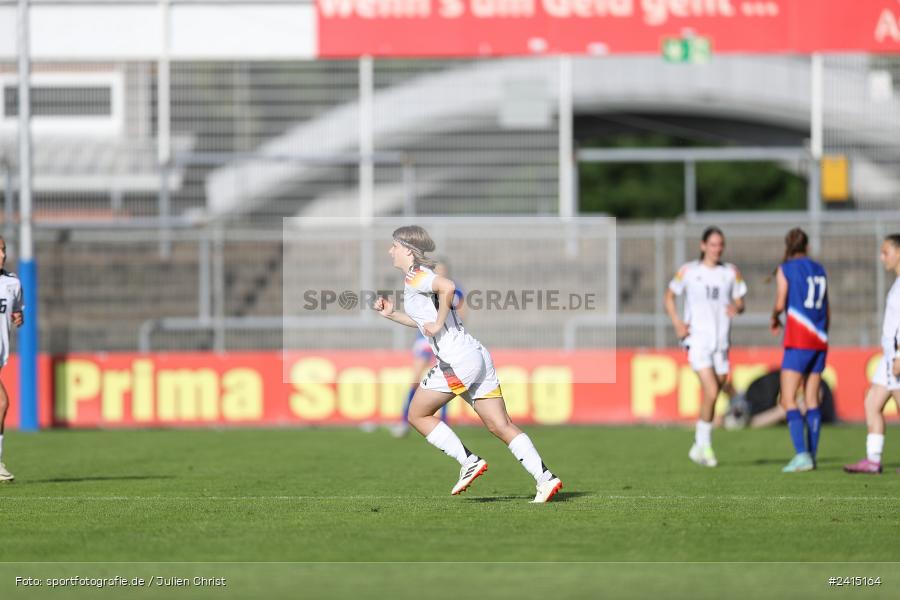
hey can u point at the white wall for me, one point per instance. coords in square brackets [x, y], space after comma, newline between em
[215, 31]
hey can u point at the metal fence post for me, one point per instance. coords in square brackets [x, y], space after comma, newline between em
[366, 141]
[612, 271]
[566, 148]
[814, 207]
[816, 143]
[409, 187]
[164, 132]
[659, 282]
[218, 288]
[690, 189]
[880, 283]
[8, 201]
[204, 275]
[366, 269]
[678, 235]
[28, 271]
[165, 213]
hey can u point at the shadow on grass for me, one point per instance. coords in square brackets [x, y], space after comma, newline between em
[560, 497]
[99, 478]
[784, 461]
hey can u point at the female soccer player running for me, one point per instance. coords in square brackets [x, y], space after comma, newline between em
[11, 308]
[423, 357]
[464, 367]
[802, 290]
[886, 380]
[714, 294]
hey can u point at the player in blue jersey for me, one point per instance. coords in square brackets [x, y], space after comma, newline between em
[802, 292]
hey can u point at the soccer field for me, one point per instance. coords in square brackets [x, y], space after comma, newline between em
[331, 513]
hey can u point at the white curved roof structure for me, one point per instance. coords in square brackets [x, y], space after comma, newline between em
[772, 90]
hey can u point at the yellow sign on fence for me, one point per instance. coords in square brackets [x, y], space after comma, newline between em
[835, 178]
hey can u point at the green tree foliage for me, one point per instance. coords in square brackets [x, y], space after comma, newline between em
[656, 190]
[749, 186]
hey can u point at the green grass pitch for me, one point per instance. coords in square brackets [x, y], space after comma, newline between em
[338, 513]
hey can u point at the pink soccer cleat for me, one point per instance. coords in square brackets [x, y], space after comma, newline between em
[864, 466]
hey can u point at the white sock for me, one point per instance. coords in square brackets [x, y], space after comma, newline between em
[703, 433]
[527, 454]
[443, 438]
[874, 446]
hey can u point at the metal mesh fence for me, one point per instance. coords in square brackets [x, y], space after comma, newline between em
[94, 146]
[525, 282]
[481, 134]
[257, 141]
[233, 289]
[254, 142]
[862, 124]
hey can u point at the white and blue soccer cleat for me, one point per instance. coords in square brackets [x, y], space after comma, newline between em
[802, 461]
[5, 476]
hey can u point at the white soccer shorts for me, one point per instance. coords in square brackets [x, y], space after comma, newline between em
[702, 357]
[471, 377]
[884, 376]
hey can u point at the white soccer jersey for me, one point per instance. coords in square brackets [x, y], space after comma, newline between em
[421, 304]
[707, 293]
[890, 330]
[10, 302]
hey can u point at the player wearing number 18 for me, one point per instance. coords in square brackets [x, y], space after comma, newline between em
[713, 295]
[802, 292]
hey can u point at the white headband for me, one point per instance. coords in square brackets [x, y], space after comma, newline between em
[407, 244]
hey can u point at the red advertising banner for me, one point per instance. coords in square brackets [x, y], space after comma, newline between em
[540, 387]
[10, 377]
[417, 28]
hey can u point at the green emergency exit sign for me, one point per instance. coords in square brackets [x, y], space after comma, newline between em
[687, 50]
